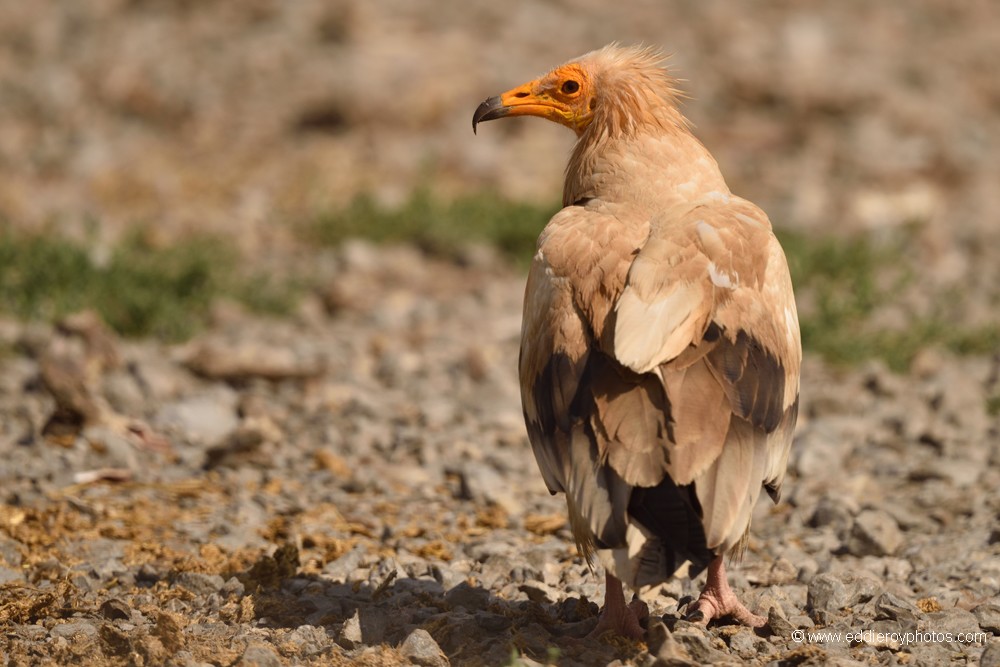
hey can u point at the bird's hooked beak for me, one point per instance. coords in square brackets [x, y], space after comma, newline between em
[491, 109]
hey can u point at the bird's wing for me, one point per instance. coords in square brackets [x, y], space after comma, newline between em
[708, 306]
[579, 270]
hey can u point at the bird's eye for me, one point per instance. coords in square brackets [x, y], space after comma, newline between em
[569, 87]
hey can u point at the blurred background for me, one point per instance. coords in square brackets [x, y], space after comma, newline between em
[262, 123]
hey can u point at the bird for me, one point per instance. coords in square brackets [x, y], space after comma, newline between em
[660, 348]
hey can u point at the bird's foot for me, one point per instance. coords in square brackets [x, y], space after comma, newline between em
[617, 617]
[625, 622]
[718, 600]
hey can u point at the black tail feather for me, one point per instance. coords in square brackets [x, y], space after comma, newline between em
[673, 515]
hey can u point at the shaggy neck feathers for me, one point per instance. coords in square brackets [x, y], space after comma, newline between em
[635, 114]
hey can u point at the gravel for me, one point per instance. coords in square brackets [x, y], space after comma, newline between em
[391, 513]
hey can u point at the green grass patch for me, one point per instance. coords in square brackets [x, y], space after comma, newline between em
[140, 290]
[838, 277]
[440, 228]
[846, 279]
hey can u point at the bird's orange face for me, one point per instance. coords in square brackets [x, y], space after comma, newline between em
[564, 95]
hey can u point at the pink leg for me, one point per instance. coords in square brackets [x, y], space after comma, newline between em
[618, 617]
[718, 600]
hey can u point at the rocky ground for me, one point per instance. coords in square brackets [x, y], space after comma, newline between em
[352, 484]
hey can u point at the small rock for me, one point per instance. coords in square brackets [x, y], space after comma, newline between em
[883, 635]
[930, 654]
[785, 600]
[199, 583]
[421, 649]
[148, 574]
[309, 640]
[10, 551]
[744, 643]
[831, 592]
[991, 656]
[258, 654]
[822, 450]
[366, 626]
[667, 651]
[341, 569]
[495, 568]
[890, 605]
[539, 592]
[778, 625]
[116, 450]
[484, 550]
[74, 629]
[350, 635]
[699, 645]
[207, 417]
[954, 620]
[467, 596]
[243, 360]
[893, 607]
[874, 533]
[898, 569]
[780, 571]
[447, 575]
[801, 621]
[482, 483]
[245, 445]
[232, 588]
[835, 511]
[10, 575]
[114, 609]
[988, 616]
[961, 472]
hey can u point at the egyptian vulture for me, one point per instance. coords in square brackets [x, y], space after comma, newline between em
[660, 347]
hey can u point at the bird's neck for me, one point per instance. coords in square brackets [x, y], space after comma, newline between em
[648, 171]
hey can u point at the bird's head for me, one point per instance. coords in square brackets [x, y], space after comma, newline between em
[622, 87]
[565, 95]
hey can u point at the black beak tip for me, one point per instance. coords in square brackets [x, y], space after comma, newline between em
[491, 109]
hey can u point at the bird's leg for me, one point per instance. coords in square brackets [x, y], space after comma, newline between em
[618, 617]
[718, 600]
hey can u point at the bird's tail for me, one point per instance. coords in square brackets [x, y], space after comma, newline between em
[643, 535]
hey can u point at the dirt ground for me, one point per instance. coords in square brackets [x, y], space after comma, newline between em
[353, 484]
